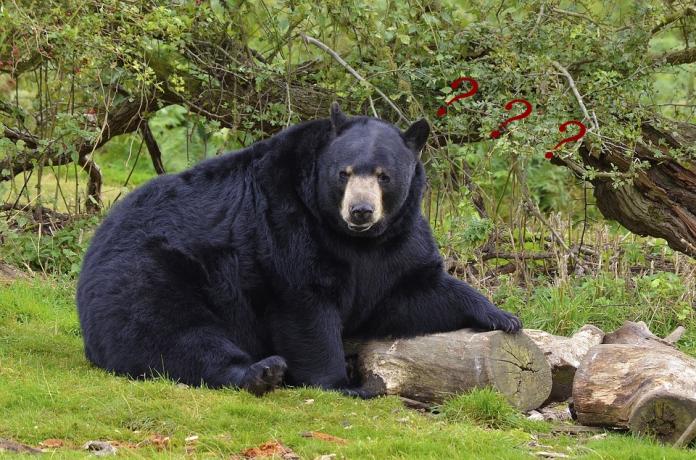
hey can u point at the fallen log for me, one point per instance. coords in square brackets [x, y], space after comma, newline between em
[430, 368]
[564, 355]
[639, 334]
[639, 382]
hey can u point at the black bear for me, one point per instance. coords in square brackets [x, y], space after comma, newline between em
[249, 269]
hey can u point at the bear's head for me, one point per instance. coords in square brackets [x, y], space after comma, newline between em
[365, 172]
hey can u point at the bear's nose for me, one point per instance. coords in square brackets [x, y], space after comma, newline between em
[361, 213]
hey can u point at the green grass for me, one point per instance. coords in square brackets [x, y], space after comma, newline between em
[49, 390]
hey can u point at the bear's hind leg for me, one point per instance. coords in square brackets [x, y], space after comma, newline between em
[205, 356]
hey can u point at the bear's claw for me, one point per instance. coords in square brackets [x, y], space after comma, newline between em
[499, 320]
[264, 376]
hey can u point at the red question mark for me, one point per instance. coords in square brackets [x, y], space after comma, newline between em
[442, 111]
[528, 111]
[562, 129]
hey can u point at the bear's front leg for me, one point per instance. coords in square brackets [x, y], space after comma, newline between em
[429, 300]
[310, 340]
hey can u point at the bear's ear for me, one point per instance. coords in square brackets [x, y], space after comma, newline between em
[338, 119]
[416, 135]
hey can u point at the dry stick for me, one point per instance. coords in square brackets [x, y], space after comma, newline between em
[538, 20]
[339, 59]
[675, 335]
[687, 434]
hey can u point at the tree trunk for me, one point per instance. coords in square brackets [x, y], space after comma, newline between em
[432, 367]
[661, 201]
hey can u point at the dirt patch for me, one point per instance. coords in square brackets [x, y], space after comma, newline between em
[9, 273]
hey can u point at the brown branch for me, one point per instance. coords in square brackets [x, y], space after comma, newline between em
[688, 434]
[516, 255]
[14, 135]
[475, 191]
[576, 15]
[689, 11]
[686, 56]
[124, 118]
[94, 182]
[26, 162]
[152, 148]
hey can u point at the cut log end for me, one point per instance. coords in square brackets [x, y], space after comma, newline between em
[663, 415]
[518, 365]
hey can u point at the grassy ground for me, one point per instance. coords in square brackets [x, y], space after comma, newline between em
[49, 391]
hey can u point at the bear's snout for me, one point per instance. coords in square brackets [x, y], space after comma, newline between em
[362, 202]
[361, 213]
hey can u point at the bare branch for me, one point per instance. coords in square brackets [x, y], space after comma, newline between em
[538, 20]
[339, 59]
[152, 147]
[689, 11]
[576, 93]
[685, 56]
[14, 135]
[576, 15]
[124, 118]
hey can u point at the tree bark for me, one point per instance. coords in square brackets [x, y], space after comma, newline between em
[660, 201]
[430, 368]
[647, 389]
[152, 148]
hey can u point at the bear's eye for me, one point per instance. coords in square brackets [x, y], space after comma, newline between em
[383, 178]
[343, 175]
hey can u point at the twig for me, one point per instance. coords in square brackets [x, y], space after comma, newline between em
[418, 405]
[514, 255]
[532, 208]
[538, 20]
[339, 59]
[574, 88]
[372, 106]
[576, 15]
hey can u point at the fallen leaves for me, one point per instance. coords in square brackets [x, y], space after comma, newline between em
[51, 443]
[158, 441]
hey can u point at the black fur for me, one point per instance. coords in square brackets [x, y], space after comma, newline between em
[241, 272]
